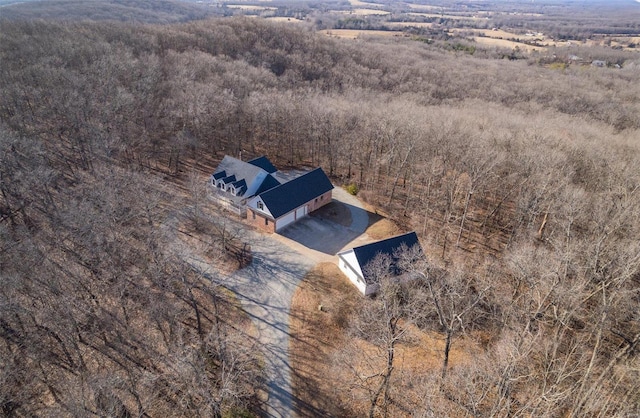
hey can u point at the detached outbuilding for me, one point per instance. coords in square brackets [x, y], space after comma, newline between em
[282, 205]
[354, 262]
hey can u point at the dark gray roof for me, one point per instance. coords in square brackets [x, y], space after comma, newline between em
[269, 183]
[220, 175]
[264, 163]
[295, 193]
[229, 179]
[241, 187]
[366, 253]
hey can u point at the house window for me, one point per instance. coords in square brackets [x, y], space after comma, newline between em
[322, 197]
[266, 221]
[260, 205]
[254, 214]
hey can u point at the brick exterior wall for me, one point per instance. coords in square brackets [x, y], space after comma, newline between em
[260, 222]
[319, 202]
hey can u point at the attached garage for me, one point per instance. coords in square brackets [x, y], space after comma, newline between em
[301, 212]
[285, 220]
[285, 204]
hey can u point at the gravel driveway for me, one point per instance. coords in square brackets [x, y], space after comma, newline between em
[265, 289]
[321, 239]
[266, 286]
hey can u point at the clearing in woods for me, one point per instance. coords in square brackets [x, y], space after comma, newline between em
[320, 312]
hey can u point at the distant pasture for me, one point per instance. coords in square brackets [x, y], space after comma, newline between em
[356, 33]
[503, 43]
[364, 12]
[358, 3]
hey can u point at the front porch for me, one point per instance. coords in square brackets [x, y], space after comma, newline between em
[234, 204]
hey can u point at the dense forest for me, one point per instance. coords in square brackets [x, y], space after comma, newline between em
[521, 178]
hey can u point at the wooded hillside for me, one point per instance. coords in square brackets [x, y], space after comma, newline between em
[523, 178]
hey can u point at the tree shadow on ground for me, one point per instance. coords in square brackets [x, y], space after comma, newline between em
[323, 232]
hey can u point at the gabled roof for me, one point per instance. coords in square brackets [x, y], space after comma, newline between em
[220, 175]
[240, 186]
[366, 253]
[295, 193]
[269, 183]
[232, 170]
[264, 163]
[241, 169]
[229, 179]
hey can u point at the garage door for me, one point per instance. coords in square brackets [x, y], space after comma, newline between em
[285, 220]
[300, 212]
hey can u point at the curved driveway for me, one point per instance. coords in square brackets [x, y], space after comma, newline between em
[359, 217]
[266, 286]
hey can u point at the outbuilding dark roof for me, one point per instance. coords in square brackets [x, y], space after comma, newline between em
[366, 253]
[264, 163]
[295, 193]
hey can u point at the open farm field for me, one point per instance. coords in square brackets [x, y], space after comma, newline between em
[413, 6]
[354, 33]
[503, 43]
[364, 4]
[364, 12]
[628, 43]
[500, 33]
